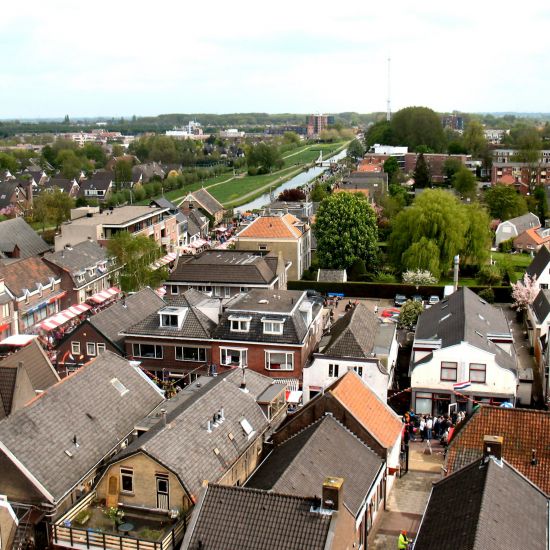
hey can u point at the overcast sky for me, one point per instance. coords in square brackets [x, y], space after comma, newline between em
[122, 57]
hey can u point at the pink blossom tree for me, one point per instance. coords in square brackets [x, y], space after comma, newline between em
[524, 292]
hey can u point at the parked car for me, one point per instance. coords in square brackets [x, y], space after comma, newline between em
[399, 300]
[433, 300]
[417, 298]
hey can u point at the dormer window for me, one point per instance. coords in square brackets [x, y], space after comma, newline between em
[172, 317]
[90, 272]
[273, 326]
[240, 324]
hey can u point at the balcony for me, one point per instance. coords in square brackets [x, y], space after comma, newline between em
[86, 526]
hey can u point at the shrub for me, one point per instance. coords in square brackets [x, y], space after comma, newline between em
[419, 277]
[487, 294]
[506, 246]
[489, 275]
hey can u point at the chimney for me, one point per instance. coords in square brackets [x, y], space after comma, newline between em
[456, 261]
[332, 493]
[534, 460]
[163, 414]
[492, 446]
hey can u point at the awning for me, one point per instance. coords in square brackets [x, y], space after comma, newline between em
[221, 228]
[291, 383]
[63, 316]
[18, 340]
[165, 260]
[293, 396]
[198, 243]
[104, 295]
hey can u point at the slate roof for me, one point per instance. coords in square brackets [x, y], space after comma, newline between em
[184, 445]
[363, 403]
[206, 201]
[87, 405]
[39, 368]
[79, 258]
[64, 184]
[331, 275]
[15, 389]
[484, 505]
[326, 448]
[224, 266]
[539, 264]
[230, 518]
[125, 313]
[541, 305]
[522, 223]
[195, 325]
[18, 232]
[273, 227]
[522, 429]
[26, 274]
[464, 317]
[7, 190]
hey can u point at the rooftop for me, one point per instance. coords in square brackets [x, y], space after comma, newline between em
[267, 301]
[78, 257]
[273, 227]
[18, 232]
[123, 215]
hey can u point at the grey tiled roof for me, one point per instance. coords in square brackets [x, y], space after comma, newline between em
[125, 313]
[299, 465]
[86, 405]
[64, 184]
[185, 446]
[485, 505]
[231, 518]
[540, 262]
[18, 231]
[207, 201]
[522, 223]
[541, 305]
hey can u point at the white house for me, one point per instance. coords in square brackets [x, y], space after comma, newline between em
[463, 340]
[357, 341]
[540, 268]
[538, 320]
[510, 229]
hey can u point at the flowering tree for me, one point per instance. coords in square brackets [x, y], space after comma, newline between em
[419, 277]
[524, 292]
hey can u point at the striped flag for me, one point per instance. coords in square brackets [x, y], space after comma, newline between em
[462, 385]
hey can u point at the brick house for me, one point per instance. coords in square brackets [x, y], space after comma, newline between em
[435, 161]
[273, 333]
[203, 200]
[8, 323]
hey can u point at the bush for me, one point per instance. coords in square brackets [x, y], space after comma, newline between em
[506, 246]
[419, 277]
[488, 295]
[252, 171]
[357, 270]
[489, 275]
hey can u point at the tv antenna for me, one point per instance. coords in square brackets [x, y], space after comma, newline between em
[388, 111]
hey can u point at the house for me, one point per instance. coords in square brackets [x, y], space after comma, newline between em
[285, 234]
[435, 161]
[357, 341]
[24, 375]
[330, 447]
[226, 273]
[510, 229]
[539, 268]
[226, 518]
[175, 339]
[36, 290]
[37, 174]
[15, 196]
[98, 187]
[332, 275]
[144, 173]
[532, 240]
[537, 320]
[156, 223]
[203, 200]
[71, 187]
[524, 174]
[271, 332]
[303, 210]
[105, 399]
[521, 433]
[18, 240]
[491, 505]
[372, 184]
[101, 331]
[8, 524]
[8, 322]
[85, 269]
[463, 352]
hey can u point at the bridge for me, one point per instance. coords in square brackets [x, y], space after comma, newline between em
[324, 163]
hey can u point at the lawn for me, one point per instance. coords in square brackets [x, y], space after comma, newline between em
[310, 153]
[519, 263]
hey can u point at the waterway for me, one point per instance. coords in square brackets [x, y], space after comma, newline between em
[301, 179]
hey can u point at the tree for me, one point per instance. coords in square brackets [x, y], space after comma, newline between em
[421, 175]
[319, 192]
[410, 311]
[478, 236]
[123, 171]
[465, 182]
[504, 202]
[265, 157]
[391, 167]
[345, 230]
[451, 166]
[380, 132]
[136, 254]
[419, 277]
[356, 149]
[52, 207]
[358, 270]
[474, 138]
[529, 145]
[542, 203]
[524, 292]
[95, 152]
[417, 126]
[291, 138]
[8, 162]
[292, 195]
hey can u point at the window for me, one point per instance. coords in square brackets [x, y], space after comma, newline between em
[333, 370]
[127, 480]
[478, 372]
[226, 292]
[190, 354]
[168, 320]
[5, 310]
[119, 386]
[240, 324]
[358, 370]
[273, 326]
[175, 289]
[448, 371]
[100, 348]
[234, 357]
[147, 351]
[75, 347]
[423, 403]
[90, 348]
[279, 360]
[262, 247]
[247, 427]
[244, 289]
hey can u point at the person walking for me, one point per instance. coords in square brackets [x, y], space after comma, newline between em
[422, 428]
[429, 426]
[403, 541]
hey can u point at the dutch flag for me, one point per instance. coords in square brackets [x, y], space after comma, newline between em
[462, 385]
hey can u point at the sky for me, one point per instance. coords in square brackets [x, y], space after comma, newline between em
[120, 57]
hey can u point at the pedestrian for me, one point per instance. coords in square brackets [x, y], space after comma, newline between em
[429, 426]
[422, 428]
[436, 427]
[403, 541]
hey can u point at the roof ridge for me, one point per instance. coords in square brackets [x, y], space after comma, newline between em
[351, 433]
[262, 492]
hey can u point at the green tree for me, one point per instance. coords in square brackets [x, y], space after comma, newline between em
[478, 236]
[416, 126]
[504, 202]
[410, 311]
[52, 207]
[356, 149]
[451, 166]
[318, 193]
[542, 203]
[123, 172]
[421, 175]
[474, 138]
[8, 162]
[391, 167]
[71, 164]
[265, 157]
[380, 132]
[95, 152]
[465, 182]
[291, 138]
[136, 254]
[346, 230]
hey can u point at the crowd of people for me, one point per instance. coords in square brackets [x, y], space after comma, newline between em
[426, 427]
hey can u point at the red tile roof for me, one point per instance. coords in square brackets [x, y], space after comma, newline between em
[523, 430]
[275, 227]
[375, 415]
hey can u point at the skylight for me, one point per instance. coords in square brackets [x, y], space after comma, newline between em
[119, 386]
[245, 424]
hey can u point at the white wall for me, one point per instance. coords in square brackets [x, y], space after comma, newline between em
[505, 231]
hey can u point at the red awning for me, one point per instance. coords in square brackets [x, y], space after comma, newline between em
[63, 316]
[18, 340]
[104, 295]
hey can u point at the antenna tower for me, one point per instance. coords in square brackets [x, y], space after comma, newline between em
[388, 112]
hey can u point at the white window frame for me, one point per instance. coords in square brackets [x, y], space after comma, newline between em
[181, 348]
[90, 346]
[137, 345]
[271, 324]
[333, 370]
[100, 347]
[127, 472]
[476, 369]
[268, 362]
[239, 324]
[75, 347]
[242, 352]
[165, 316]
[174, 289]
[358, 370]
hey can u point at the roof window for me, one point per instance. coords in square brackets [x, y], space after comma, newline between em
[119, 386]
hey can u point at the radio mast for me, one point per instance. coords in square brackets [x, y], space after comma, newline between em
[388, 112]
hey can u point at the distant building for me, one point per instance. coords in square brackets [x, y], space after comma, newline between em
[317, 123]
[494, 136]
[435, 162]
[454, 122]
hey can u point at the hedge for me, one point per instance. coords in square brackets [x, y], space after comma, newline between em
[503, 294]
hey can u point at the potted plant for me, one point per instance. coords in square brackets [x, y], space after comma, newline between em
[116, 515]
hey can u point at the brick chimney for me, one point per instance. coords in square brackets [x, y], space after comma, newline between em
[332, 493]
[492, 446]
